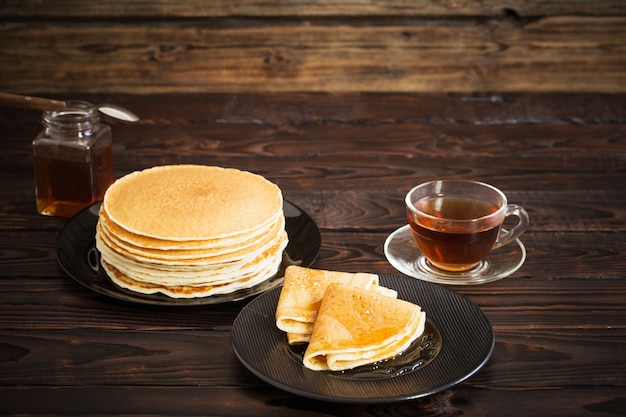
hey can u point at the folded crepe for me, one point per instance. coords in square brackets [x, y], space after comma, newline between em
[302, 293]
[355, 327]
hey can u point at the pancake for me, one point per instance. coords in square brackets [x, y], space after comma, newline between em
[221, 255]
[302, 293]
[139, 241]
[191, 202]
[191, 274]
[204, 289]
[191, 231]
[355, 327]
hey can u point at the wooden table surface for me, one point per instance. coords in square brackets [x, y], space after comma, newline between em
[348, 160]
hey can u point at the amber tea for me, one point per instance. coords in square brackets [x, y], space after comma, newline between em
[453, 245]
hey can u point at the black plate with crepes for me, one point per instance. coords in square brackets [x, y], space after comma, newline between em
[465, 343]
[78, 256]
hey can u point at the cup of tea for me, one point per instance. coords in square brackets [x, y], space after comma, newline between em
[456, 223]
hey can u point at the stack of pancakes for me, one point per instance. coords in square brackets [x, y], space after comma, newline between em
[191, 231]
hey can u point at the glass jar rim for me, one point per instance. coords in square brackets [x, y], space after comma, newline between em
[78, 116]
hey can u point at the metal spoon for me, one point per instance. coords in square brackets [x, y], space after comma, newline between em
[118, 112]
[39, 103]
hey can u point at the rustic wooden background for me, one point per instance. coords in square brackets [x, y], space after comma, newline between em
[208, 46]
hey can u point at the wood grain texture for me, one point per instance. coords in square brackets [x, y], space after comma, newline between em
[235, 401]
[246, 8]
[347, 159]
[252, 46]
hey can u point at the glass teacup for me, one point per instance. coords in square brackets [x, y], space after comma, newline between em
[456, 223]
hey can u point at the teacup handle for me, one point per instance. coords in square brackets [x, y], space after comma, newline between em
[507, 236]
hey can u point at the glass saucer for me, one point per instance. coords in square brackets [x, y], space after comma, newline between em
[403, 254]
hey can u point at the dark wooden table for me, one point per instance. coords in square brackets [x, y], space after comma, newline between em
[348, 160]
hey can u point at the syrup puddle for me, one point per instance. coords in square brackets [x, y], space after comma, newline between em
[419, 354]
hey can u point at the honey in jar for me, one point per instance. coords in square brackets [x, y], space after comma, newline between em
[73, 160]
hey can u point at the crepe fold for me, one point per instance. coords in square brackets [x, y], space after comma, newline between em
[355, 327]
[190, 231]
[302, 293]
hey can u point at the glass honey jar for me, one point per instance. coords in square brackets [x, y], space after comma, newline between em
[73, 159]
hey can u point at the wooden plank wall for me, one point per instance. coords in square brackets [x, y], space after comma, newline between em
[164, 46]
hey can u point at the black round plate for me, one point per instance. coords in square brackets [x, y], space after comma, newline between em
[78, 256]
[466, 339]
